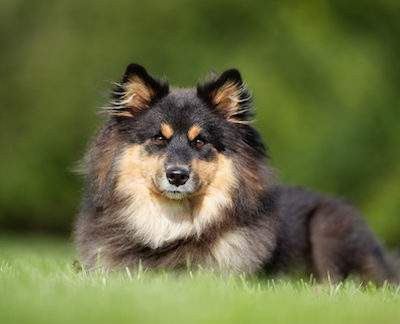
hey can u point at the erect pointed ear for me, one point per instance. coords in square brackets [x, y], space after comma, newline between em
[228, 95]
[136, 92]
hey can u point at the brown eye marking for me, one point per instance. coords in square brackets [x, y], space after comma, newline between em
[160, 139]
[166, 130]
[193, 132]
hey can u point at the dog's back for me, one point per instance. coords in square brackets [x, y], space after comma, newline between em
[329, 237]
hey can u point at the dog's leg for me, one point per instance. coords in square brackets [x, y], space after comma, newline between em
[377, 267]
[341, 244]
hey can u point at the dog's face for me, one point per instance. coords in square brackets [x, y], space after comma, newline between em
[179, 156]
[177, 139]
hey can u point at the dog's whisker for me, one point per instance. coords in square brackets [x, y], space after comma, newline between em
[117, 84]
[118, 93]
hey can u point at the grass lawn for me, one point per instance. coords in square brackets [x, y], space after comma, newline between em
[39, 285]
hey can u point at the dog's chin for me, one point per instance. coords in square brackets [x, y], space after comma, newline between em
[176, 195]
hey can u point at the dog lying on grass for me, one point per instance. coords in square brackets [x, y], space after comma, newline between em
[179, 175]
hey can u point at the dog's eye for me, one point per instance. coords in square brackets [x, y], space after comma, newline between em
[199, 142]
[160, 140]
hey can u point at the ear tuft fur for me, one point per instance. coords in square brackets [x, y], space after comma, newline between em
[136, 92]
[228, 95]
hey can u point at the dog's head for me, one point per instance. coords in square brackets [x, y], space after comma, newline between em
[176, 140]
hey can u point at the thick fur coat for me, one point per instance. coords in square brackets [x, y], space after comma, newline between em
[179, 175]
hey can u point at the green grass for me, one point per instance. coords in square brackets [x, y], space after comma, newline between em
[39, 285]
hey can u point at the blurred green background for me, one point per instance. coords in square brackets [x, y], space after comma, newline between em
[325, 77]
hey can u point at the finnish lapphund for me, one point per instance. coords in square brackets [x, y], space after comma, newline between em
[179, 175]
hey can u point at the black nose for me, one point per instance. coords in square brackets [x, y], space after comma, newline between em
[177, 176]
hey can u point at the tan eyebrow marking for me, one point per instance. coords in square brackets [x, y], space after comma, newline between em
[193, 132]
[167, 130]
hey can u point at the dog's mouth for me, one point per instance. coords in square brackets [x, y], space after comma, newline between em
[170, 192]
[175, 194]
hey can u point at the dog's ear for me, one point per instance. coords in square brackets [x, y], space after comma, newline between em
[136, 92]
[228, 95]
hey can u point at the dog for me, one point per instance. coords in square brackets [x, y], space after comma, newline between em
[178, 176]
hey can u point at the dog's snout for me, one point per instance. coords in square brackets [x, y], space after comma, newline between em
[177, 176]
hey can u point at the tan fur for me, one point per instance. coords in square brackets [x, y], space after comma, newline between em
[122, 113]
[157, 220]
[166, 130]
[193, 132]
[137, 96]
[215, 195]
[227, 100]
